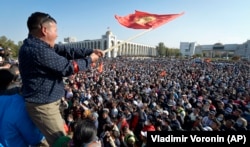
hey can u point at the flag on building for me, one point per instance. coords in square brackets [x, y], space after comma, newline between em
[145, 20]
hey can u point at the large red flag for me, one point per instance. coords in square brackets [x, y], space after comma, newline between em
[144, 20]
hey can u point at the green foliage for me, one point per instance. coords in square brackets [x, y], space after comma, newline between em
[161, 49]
[236, 58]
[167, 52]
[7, 43]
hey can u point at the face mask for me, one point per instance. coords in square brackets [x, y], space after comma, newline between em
[219, 118]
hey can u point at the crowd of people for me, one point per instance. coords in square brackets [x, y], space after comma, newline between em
[158, 95]
[132, 96]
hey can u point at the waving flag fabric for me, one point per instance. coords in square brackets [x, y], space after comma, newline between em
[145, 20]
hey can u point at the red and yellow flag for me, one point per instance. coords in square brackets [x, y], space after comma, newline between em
[145, 20]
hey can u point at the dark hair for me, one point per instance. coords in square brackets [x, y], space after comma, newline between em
[6, 78]
[15, 71]
[85, 131]
[36, 20]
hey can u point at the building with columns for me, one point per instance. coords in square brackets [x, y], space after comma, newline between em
[216, 50]
[121, 48]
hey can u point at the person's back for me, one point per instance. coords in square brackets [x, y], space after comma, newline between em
[43, 64]
[85, 134]
[16, 127]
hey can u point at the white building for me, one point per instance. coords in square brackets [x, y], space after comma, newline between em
[216, 50]
[121, 48]
[70, 39]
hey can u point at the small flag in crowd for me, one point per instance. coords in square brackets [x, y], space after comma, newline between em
[145, 20]
[163, 73]
[93, 65]
[100, 67]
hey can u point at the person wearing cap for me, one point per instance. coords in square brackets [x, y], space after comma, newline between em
[42, 65]
[144, 138]
[128, 139]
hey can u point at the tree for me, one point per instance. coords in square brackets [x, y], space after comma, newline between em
[236, 58]
[173, 52]
[161, 49]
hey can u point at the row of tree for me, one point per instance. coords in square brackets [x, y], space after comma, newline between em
[164, 51]
[9, 44]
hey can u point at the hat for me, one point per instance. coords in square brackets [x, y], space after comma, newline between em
[154, 104]
[106, 110]
[86, 102]
[207, 128]
[212, 112]
[95, 115]
[184, 95]
[135, 102]
[212, 108]
[171, 103]
[228, 110]
[166, 112]
[131, 140]
[188, 106]
[144, 133]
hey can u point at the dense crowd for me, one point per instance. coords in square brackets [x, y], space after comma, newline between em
[158, 94]
[127, 97]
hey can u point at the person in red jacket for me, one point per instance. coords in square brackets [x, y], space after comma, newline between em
[122, 122]
[149, 124]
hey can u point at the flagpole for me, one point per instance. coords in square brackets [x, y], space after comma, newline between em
[129, 39]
